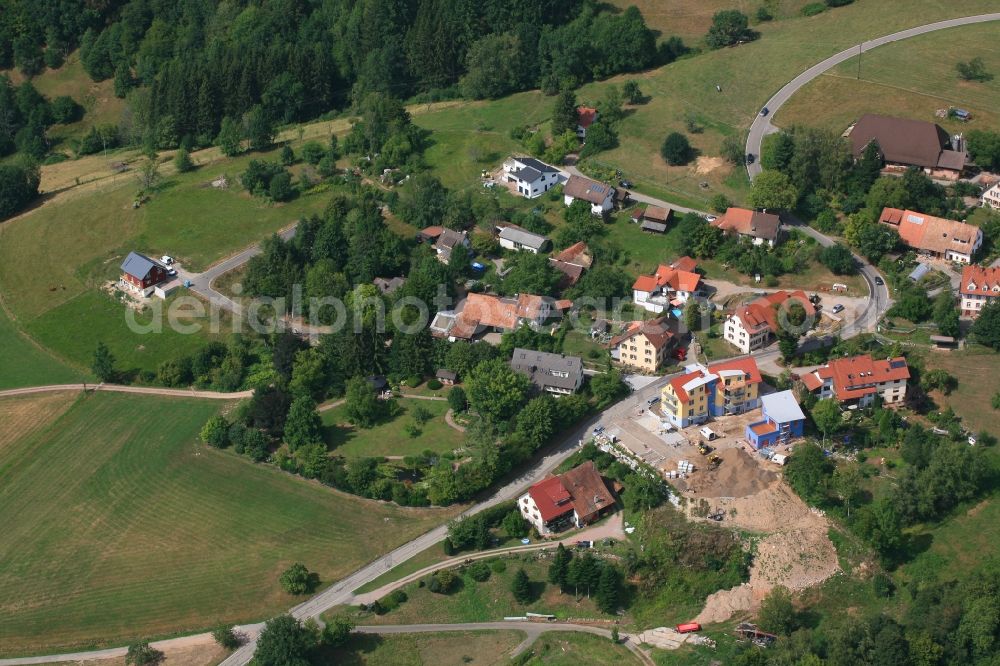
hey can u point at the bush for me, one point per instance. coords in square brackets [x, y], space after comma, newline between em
[280, 187]
[479, 571]
[413, 381]
[434, 385]
[763, 15]
[813, 8]
[182, 161]
[226, 637]
[141, 654]
[215, 432]
[720, 203]
[66, 110]
[313, 152]
[296, 579]
[498, 566]
[287, 156]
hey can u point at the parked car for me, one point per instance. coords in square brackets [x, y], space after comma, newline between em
[172, 272]
[166, 260]
[599, 429]
[625, 183]
[653, 401]
[838, 308]
[750, 158]
[711, 218]
[878, 280]
[765, 111]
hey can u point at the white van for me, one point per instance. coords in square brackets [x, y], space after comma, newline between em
[708, 433]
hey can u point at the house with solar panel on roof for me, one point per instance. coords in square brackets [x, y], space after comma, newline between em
[855, 381]
[600, 196]
[529, 177]
[140, 274]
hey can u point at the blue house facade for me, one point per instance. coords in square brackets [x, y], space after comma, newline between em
[782, 421]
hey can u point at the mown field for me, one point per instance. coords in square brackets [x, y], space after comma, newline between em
[690, 19]
[484, 648]
[912, 78]
[120, 525]
[23, 363]
[389, 438]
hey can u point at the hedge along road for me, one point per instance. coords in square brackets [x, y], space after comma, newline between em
[762, 126]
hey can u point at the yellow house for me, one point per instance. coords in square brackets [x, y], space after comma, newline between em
[644, 345]
[700, 393]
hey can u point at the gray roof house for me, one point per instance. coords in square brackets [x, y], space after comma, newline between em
[529, 177]
[551, 373]
[450, 242]
[513, 237]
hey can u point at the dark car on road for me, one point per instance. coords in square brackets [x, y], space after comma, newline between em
[764, 111]
[879, 280]
[750, 158]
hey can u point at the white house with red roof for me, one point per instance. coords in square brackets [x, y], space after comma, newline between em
[669, 286]
[585, 117]
[856, 380]
[980, 286]
[751, 326]
[572, 499]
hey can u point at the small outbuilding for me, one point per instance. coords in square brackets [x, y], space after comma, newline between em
[446, 377]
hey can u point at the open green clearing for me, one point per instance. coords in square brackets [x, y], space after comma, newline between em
[912, 78]
[748, 75]
[25, 364]
[488, 601]
[976, 370]
[690, 19]
[485, 648]
[388, 438]
[145, 532]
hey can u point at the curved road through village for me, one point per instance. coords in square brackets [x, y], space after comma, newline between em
[342, 591]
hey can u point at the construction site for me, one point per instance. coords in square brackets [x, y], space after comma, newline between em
[721, 478]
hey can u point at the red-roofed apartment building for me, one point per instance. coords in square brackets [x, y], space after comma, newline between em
[856, 380]
[979, 287]
[750, 327]
[669, 286]
[572, 499]
[936, 236]
[585, 117]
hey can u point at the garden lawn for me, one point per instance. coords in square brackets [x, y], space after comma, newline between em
[975, 368]
[912, 79]
[23, 363]
[485, 648]
[119, 525]
[388, 438]
[488, 601]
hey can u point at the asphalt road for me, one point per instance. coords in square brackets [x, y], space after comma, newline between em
[762, 124]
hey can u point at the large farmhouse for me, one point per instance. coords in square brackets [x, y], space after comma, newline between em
[759, 228]
[906, 143]
[668, 287]
[572, 499]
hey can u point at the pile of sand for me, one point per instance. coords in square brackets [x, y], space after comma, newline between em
[723, 604]
[739, 475]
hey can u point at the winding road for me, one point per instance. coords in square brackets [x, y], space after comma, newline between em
[762, 126]
[342, 591]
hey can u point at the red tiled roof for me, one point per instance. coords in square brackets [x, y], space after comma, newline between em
[551, 498]
[679, 382]
[746, 365]
[934, 234]
[856, 376]
[977, 280]
[668, 276]
[577, 254]
[581, 489]
[761, 313]
[749, 223]
[589, 492]
[685, 264]
[432, 232]
[586, 116]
